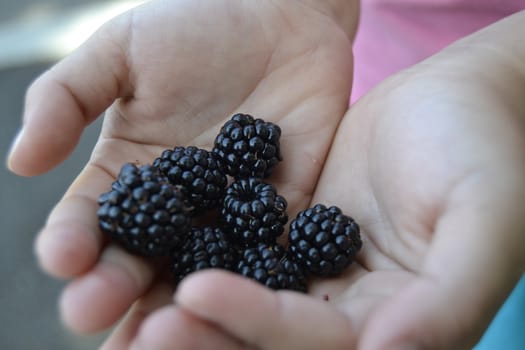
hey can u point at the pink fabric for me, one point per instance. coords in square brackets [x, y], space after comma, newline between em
[395, 34]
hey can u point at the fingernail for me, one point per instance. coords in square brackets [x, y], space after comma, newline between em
[14, 146]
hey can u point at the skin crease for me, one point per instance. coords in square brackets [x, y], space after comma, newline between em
[429, 164]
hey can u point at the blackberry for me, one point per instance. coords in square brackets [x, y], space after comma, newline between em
[270, 266]
[324, 240]
[253, 212]
[197, 171]
[248, 147]
[143, 212]
[204, 248]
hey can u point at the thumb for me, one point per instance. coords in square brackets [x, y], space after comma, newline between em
[475, 260]
[65, 99]
[261, 317]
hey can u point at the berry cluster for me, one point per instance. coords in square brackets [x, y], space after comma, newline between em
[151, 210]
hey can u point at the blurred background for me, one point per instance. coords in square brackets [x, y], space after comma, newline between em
[34, 35]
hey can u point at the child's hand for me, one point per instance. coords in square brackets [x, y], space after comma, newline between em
[171, 72]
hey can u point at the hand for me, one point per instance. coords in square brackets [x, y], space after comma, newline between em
[431, 165]
[171, 72]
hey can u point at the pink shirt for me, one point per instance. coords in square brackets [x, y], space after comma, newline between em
[395, 34]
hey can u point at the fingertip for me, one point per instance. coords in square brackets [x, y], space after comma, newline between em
[71, 311]
[66, 252]
[175, 328]
[201, 287]
[71, 242]
[53, 124]
[159, 329]
[128, 328]
[86, 307]
[99, 298]
[62, 101]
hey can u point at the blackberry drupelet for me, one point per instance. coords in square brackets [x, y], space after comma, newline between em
[203, 248]
[143, 212]
[197, 171]
[324, 240]
[253, 212]
[270, 266]
[248, 147]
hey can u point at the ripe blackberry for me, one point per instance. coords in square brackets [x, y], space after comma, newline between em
[324, 240]
[197, 171]
[143, 212]
[248, 147]
[204, 248]
[253, 212]
[270, 266]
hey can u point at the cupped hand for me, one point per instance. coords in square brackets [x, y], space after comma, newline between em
[170, 73]
[431, 165]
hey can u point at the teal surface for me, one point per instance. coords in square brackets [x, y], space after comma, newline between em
[507, 330]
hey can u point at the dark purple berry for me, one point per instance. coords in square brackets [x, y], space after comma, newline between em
[204, 248]
[197, 172]
[324, 240]
[270, 266]
[143, 212]
[253, 212]
[248, 147]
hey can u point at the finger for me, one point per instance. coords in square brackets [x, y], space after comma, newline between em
[98, 299]
[472, 266]
[264, 318]
[172, 328]
[126, 331]
[70, 245]
[70, 242]
[66, 98]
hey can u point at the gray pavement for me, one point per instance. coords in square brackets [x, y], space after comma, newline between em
[28, 298]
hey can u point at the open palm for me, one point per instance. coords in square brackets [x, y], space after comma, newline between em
[171, 73]
[431, 163]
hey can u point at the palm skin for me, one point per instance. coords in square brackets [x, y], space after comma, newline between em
[410, 162]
